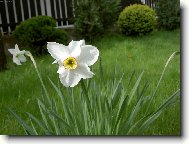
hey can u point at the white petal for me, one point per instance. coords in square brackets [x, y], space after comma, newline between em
[16, 60]
[82, 42]
[58, 51]
[22, 58]
[18, 51]
[62, 71]
[54, 62]
[12, 51]
[71, 79]
[75, 48]
[89, 55]
[21, 52]
[76, 43]
[84, 71]
[16, 48]
[58, 61]
[62, 80]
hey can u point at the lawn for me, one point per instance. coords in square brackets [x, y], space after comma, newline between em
[20, 87]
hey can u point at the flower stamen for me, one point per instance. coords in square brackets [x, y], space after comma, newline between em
[70, 63]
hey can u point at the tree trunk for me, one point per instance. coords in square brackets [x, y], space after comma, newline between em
[3, 60]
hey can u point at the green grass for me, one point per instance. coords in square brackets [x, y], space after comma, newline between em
[20, 87]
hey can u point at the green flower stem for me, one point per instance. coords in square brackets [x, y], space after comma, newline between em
[40, 78]
[167, 63]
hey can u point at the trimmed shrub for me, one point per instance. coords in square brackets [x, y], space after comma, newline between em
[33, 34]
[92, 17]
[137, 20]
[168, 12]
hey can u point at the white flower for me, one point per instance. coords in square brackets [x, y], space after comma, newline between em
[73, 60]
[18, 56]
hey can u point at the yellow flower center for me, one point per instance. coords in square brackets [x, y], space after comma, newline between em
[70, 63]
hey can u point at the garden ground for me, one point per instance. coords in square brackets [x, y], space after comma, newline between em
[20, 87]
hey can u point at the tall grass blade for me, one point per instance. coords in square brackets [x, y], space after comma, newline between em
[101, 70]
[61, 121]
[117, 92]
[34, 129]
[172, 99]
[26, 127]
[43, 108]
[136, 109]
[114, 75]
[55, 124]
[75, 115]
[120, 113]
[86, 96]
[133, 91]
[39, 123]
[131, 77]
[64, 104]
[167, 63]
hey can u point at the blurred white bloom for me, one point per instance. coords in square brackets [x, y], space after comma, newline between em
[3, 139]
[18, 56]
[73, 60]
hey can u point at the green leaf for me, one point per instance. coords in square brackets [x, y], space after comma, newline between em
[43, 108]
[120, 115]
[60, 120]
[39, 123]
[26, 127]
[34, 129]
[137, 107]
[86, 96]
[135, 88]
[172, 99]
[131, 77]
[75, 113]
[101, 70]
[57, 129]
[117, 92]
[154, 93]
[64, 104]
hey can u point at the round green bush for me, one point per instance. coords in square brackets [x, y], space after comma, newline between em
[137, 19]
[33, 34]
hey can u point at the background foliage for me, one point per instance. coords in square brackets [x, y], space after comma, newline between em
[92, 17]
[168, 13]
[3, 60]
[125, 3]
[34, 34]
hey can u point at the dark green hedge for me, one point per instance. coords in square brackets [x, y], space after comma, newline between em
[34, 33]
